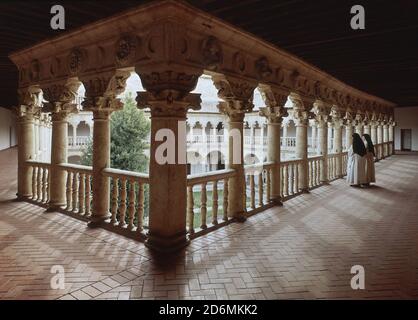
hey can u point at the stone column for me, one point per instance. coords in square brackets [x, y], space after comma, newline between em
[391, 136]
[348, 119]
[168, 96]
[386, 139]
[314, 137]
[300, 116]
[30, 101]
[274, 112]
[37, 137]
[61, 103]
[337, 124]
[367, 129]
[359, 124]
[237, 95]
[321, 117]
[373, 132]
[101, 98]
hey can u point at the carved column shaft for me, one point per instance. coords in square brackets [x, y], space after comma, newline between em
[58, 155]
[168, 96]
[26, 151]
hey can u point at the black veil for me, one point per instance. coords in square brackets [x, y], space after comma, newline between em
[370, 146]
[358, 145]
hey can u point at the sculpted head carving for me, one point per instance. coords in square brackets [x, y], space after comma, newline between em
[262, 68]
[239, 62]
[75, 61]
[212, 53]
[125, 50]
[35, 70]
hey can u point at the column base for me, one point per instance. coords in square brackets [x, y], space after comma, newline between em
[98, 221]
[167, 244]
[23, 197]
[276, 201]
[305, 190]
[53, 206]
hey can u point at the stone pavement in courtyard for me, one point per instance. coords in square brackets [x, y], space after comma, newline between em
[304, 249]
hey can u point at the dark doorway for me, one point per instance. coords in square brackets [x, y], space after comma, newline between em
[406, 136]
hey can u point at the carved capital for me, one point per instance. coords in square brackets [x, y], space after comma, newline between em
[30, 103]
[168, 105]
[102, 93]
[275, 101]
[168, 93]
[62, 99]
[320, 111]
[237, 95]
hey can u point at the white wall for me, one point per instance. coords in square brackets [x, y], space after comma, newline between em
[406, 118]
[7, 129]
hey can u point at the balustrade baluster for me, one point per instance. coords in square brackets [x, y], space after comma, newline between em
[140, 210]
[260, 189]
[225, 200]
[115, 198]
[69, 190]
[131, 206]
[268, 185]
[285, 181]
[122, 207]
[81, 193]
[45, 186]
[34, 181]
[252, 191]
[215, 203]
[88, 196]
[296, 168]
[203, 206]
[190, 209]
[75, 191]
[39, 183]
[291, 179]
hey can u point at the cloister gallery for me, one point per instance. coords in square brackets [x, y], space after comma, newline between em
[292, 125]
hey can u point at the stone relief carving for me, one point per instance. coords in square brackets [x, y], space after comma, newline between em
[126, 49]
[76, 61]
[239, 63]
[35, 70]
[263, 69]
[168, 93]
[212, 53]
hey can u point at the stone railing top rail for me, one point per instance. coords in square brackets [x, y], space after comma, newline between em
[38, 163]
[129, 175]
[312, 158]
[172, 36]
[209, 176]
[287, 162]
[258, 166]
[76, 168]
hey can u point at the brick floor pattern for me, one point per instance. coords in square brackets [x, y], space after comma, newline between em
[303, 250]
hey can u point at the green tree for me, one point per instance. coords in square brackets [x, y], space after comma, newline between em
[129, 129]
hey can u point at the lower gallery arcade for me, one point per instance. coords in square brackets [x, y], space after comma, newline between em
[170, 56]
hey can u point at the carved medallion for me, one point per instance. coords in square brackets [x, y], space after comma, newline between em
[125, 50]
[262, 68]
[239, 62]
[212, 53]
[35, 70]
[75, 61]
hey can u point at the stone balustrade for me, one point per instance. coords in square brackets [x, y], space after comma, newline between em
[289, 173]
[314, 171]
[129, 213]
[40, 181]
[258, 186]
[198, 186]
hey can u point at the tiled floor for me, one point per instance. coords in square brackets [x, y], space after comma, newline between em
[302, 250]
